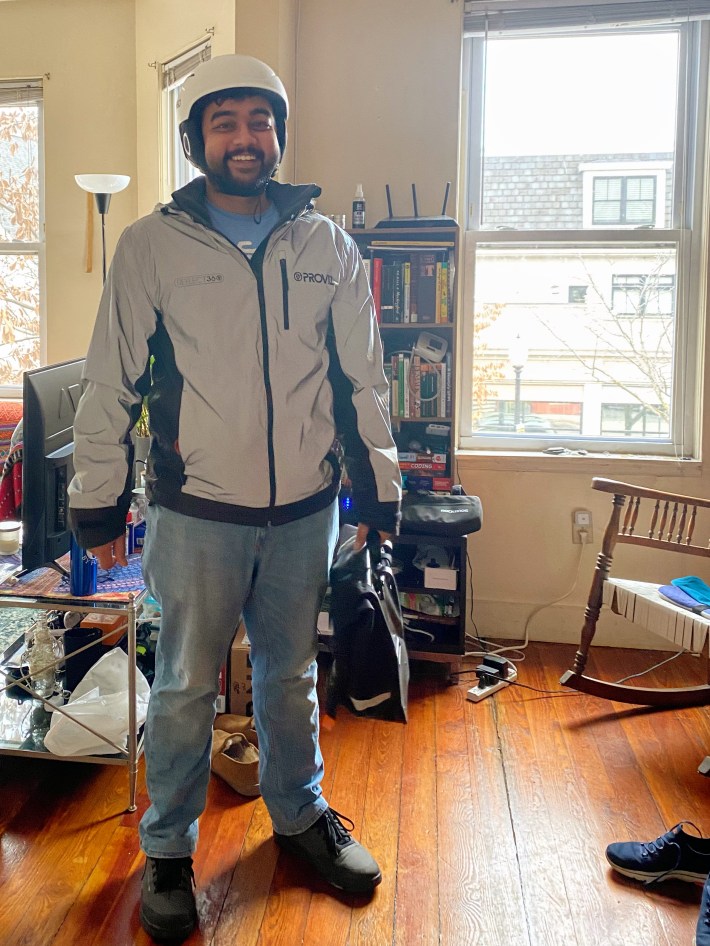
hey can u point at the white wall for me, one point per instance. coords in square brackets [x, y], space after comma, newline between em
[164, 29]
[378, 102]
[87, 51]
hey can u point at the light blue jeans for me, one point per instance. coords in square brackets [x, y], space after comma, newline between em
[204, 575]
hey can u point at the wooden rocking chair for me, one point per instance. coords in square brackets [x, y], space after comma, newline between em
[656, 520]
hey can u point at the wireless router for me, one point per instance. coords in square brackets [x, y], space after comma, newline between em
[442, 220]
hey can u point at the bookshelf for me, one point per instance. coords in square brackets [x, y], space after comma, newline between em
[412, 273]
[413, 278]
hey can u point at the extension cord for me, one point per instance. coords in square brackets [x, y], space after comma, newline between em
[478, 693]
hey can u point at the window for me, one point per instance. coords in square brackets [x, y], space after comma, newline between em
[177, 170]
[577, 295]
[21, 231]
[608, 204]
[624, 200]
[648, 294]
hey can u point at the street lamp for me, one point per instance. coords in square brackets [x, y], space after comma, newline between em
[518, 355]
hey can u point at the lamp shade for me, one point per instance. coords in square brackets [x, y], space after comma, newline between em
[102, 183]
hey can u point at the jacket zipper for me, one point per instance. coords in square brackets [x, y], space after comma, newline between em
[284, 292]
[257, 265]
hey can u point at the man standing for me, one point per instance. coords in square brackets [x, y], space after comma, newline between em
[257, 314]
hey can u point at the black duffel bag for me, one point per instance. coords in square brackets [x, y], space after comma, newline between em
[425, 513]
[370, 671]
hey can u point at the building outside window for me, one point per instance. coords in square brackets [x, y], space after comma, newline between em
[21, 231]
[633, 420]
[608, 204]
[176, 169]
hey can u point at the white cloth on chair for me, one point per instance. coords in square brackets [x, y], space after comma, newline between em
[640, 602]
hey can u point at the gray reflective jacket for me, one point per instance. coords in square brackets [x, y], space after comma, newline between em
[257, 365]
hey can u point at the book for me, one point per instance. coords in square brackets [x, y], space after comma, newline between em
[394, 391]
[386, 294]
[401, 381]
[418, 246]
[397, 291]
[425, 466]
[449, 385]
[407, 276]
[412, 456]
[444, 297]
[428, 279]
[376, 283]
[416, 370]
[441, 399]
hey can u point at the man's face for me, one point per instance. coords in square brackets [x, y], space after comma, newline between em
[241, 147]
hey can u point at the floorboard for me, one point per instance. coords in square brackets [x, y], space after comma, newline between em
[489, 821]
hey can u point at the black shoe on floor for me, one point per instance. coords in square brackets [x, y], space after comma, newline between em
[674, 856]
[328, 847]
[168, 910]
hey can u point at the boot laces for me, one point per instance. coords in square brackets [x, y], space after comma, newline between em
[334, 831]
[171, 873]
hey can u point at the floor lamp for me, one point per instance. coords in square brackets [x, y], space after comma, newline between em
[102, 186]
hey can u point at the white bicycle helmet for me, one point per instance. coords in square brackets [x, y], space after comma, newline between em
[219, 75]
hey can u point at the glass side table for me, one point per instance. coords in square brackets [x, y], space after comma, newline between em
[20, 722]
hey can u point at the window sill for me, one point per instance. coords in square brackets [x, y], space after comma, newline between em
[595, 464]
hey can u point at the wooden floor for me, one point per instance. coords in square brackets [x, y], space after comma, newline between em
[489, 821]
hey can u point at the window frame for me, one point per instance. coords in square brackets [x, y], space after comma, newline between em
[175, 169]
[687, 234]
[37, 248]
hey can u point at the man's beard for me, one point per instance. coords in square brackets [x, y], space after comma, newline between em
[224, 183]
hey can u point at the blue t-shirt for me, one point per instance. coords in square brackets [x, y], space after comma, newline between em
[241, 229]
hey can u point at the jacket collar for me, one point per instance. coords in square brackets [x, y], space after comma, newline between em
[289, 199]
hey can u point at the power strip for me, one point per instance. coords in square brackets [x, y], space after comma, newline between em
[478, 693]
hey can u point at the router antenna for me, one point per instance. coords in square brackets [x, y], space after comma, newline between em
[414, 200]
[389, 200]
[446, 198]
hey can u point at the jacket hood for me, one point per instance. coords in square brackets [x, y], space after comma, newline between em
[290, 200]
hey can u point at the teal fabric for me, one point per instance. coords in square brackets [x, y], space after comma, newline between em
[695, 587]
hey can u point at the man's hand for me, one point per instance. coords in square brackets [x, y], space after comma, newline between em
[113, 553]
[361, 536]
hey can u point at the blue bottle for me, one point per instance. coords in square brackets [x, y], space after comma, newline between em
[82, 571]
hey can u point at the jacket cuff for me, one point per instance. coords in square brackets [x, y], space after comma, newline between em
[95, 527]
[384, 517]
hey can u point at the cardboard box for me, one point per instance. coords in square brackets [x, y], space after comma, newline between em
[440, 578]
[240, 699]
[222, 695]
[112, 626]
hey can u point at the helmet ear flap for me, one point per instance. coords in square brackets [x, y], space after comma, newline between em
[192, 144]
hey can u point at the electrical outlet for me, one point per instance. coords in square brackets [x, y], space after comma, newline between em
[582, 527]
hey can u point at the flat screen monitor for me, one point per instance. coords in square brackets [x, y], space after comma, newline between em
[50, 399]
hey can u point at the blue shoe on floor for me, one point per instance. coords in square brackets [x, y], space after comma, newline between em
[676, 855]
[702, 930]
